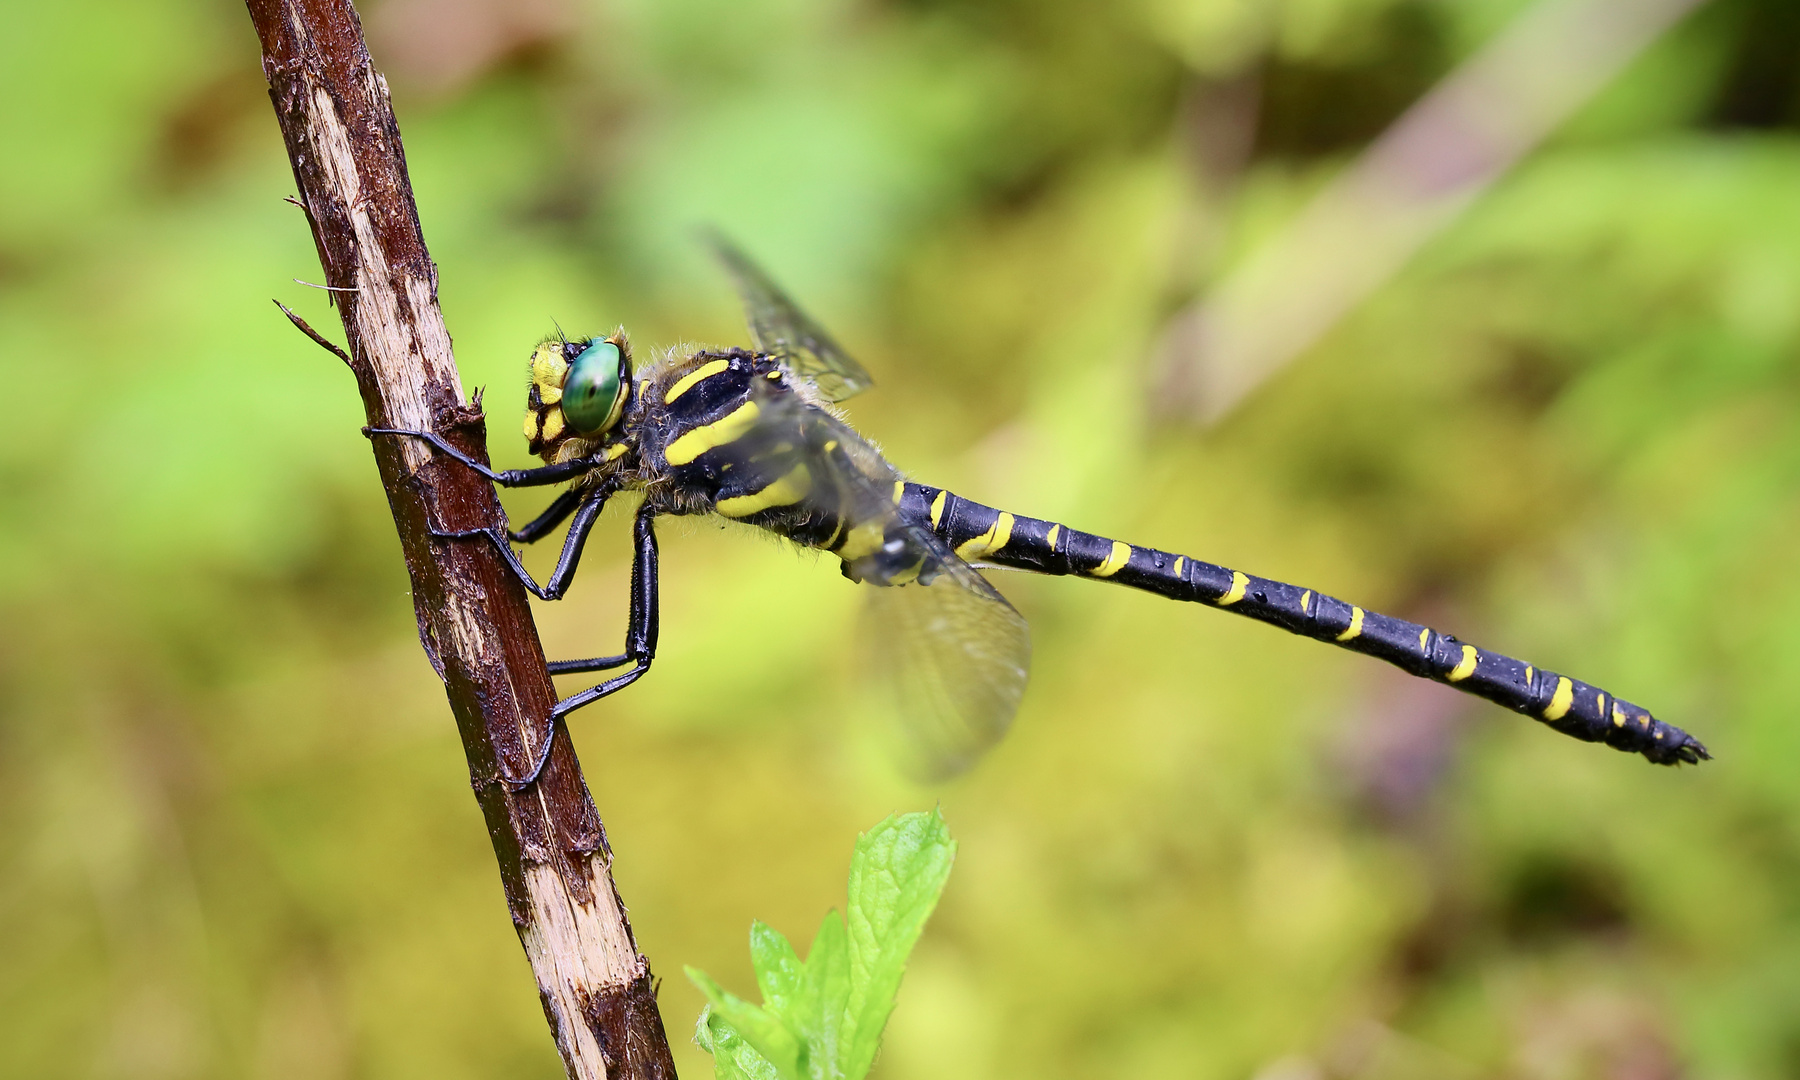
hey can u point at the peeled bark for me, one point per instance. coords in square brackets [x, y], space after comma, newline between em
[473, 615]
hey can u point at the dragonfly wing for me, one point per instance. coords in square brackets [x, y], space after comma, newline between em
[957, 656]
[780, 328]
[955, 653]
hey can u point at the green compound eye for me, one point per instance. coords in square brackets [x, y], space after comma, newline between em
[590, 396]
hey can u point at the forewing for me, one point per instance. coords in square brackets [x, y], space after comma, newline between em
[954, 652]
[780, 328]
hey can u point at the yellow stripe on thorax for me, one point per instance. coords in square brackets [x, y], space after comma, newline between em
[786, 491]
[862, 540]
[1561, 700]
[988, 542]
[701, 439]
[937, 508]
[687, 382]
[1115, 560]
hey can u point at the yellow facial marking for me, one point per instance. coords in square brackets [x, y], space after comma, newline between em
[548, 369]
[1180, 562]
[1238, 584]
[553, 425]
[1618, 714]
[1424, 638]
[988, 542]
[1355, 629]
[899, 491]
[937, 508]
[786, 491]
[687, 382]
[1466, 666]
[616, 451]
[1052, 536]
[1115, 560]
[1561, 700]
[531, 425]
[1306, 602]
[701, 439]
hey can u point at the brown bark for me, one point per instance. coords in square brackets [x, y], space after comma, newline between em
[474, 619]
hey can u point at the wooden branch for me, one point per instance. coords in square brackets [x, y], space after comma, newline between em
[474, 620]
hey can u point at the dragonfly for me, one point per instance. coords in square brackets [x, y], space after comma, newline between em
[754, 435]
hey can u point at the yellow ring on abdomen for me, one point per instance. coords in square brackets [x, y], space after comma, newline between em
[1561, 700]
[1466, 666]
[1115, 560]
[1239, 583]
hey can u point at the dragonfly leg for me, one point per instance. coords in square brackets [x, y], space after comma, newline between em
[640, 635]
[540, 526]
[640, 642]
[585, 516]
[546, 474]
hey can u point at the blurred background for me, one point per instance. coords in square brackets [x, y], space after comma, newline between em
[1522, 361]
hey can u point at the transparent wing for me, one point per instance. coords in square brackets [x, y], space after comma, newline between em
[956, 656]
[954, 653]
[780, 328]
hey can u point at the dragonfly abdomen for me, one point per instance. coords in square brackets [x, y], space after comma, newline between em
[983, 534]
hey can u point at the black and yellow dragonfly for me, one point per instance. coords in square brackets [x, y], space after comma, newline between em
[751, 435]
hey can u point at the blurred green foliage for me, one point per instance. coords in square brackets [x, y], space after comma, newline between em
[237, 839]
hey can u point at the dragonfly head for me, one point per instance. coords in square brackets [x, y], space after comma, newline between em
[579, 390]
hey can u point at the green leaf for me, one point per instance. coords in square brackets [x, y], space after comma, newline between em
[733, 1058]
[898, 873]
[779, 969]
[775, 1041]
[822, 1017]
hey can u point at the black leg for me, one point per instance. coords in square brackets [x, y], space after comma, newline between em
[640, 634]
[640, 640]
[547, 474]
[540, 526]
[591, 505]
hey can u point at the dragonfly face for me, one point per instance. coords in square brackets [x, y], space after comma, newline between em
[579, 392]
[751, 435]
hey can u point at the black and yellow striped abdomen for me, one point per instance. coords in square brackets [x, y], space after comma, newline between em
[985, 534]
